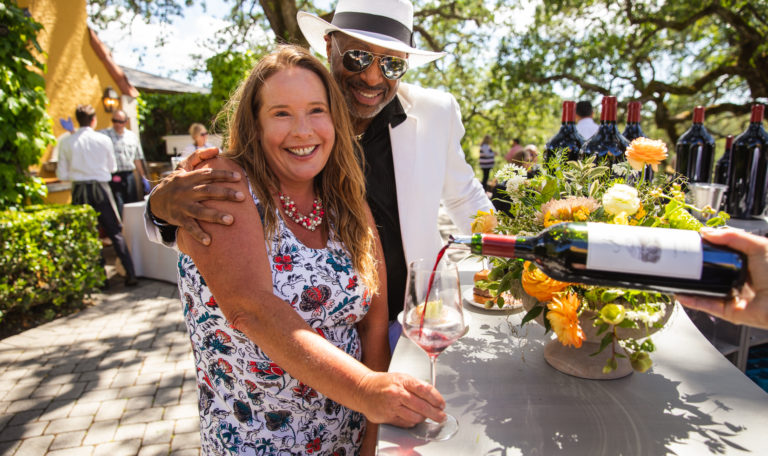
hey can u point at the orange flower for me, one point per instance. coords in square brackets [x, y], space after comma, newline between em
[538, 285]
[564, 318]
[573, 208]
[642, 151]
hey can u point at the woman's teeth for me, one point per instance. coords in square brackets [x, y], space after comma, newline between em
[301, 151]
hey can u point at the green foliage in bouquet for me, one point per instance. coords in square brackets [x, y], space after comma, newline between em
[588, 191]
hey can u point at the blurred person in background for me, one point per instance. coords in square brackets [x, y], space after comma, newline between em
[129, 156]
[199, 135]
[513, 150]
[585, 125]
[87, 158]
[486, 160]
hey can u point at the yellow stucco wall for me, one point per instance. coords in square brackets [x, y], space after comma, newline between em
[75, 73]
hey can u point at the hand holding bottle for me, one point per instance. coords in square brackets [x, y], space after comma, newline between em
[750, 307]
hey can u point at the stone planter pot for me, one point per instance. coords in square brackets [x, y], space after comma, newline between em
[577, 361]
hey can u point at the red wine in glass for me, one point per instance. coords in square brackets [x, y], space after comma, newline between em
[436, 337]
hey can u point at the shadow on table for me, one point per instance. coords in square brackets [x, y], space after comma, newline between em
[533, 421]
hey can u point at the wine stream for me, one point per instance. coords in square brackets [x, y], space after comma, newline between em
[431, 282]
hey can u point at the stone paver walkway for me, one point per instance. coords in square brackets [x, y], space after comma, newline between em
[114, 379]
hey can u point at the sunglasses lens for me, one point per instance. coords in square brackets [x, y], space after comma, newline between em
[393, 67]
[356, 60]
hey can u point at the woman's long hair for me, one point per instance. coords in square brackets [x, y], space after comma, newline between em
[340, 184]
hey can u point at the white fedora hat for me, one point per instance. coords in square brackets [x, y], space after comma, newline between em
[385, 23]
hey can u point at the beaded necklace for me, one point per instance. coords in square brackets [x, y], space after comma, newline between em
[311, 221]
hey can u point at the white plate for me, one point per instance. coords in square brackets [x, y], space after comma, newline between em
[467, 295]
[467, 320]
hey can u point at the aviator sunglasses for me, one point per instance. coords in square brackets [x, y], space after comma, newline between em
[357, 60]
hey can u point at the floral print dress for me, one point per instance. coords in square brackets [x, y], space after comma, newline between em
[248, 404]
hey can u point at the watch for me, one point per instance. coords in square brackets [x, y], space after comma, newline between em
[155, 220]
[167, 231]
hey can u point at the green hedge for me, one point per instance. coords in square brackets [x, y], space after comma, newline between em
[50, 255]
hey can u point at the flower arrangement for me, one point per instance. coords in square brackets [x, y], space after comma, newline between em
[589, 191]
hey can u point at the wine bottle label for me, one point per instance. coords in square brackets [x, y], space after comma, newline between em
[642, 250]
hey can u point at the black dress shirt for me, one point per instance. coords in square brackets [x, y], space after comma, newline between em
[382, 198]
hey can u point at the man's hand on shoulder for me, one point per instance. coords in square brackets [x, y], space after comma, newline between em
[178, 198]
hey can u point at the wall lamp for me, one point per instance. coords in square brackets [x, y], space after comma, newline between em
[110, 99]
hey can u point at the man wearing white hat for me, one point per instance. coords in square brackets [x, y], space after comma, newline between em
[410, 137]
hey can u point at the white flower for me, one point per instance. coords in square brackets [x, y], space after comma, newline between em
[514, 176]
[514, 182]
[510, 170]
[621, 198]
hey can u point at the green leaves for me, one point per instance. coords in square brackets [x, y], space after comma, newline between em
[163, 114]
[26, 128]
[49, 255]
[671, 55]
[533, 313]
[680, 218]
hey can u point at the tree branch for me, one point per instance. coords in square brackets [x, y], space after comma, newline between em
[431, 42]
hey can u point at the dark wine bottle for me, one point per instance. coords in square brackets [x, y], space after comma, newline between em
[633, 131]
[747, 182]
[636, 257]
[567, 137]
[720, 176]
[608, 144]
[695, 150]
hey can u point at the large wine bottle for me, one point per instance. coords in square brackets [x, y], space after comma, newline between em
[661, 259]
[695, 150]
[747, 182]
[608, 144]
[567, 137]
[720, 176]
[633, 131]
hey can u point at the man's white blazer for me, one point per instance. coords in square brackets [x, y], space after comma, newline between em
[430, 168]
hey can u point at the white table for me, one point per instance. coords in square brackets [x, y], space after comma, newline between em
[509, 401]
[150, 260]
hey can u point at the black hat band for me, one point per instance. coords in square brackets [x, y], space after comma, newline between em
[373, 23]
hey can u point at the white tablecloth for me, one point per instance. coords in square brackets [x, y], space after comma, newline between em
[150, 260]
[509, 401]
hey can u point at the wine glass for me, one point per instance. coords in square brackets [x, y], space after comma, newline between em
[433, 319]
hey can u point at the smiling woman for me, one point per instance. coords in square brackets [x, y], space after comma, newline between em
[289, 326]
[297, 129]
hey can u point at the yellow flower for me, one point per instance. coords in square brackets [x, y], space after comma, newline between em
[539, 285]
[485, 222]
[621, 198]
[621, 219]
[565, 210]
[564, 318]
[580, 215]
[644, 151]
